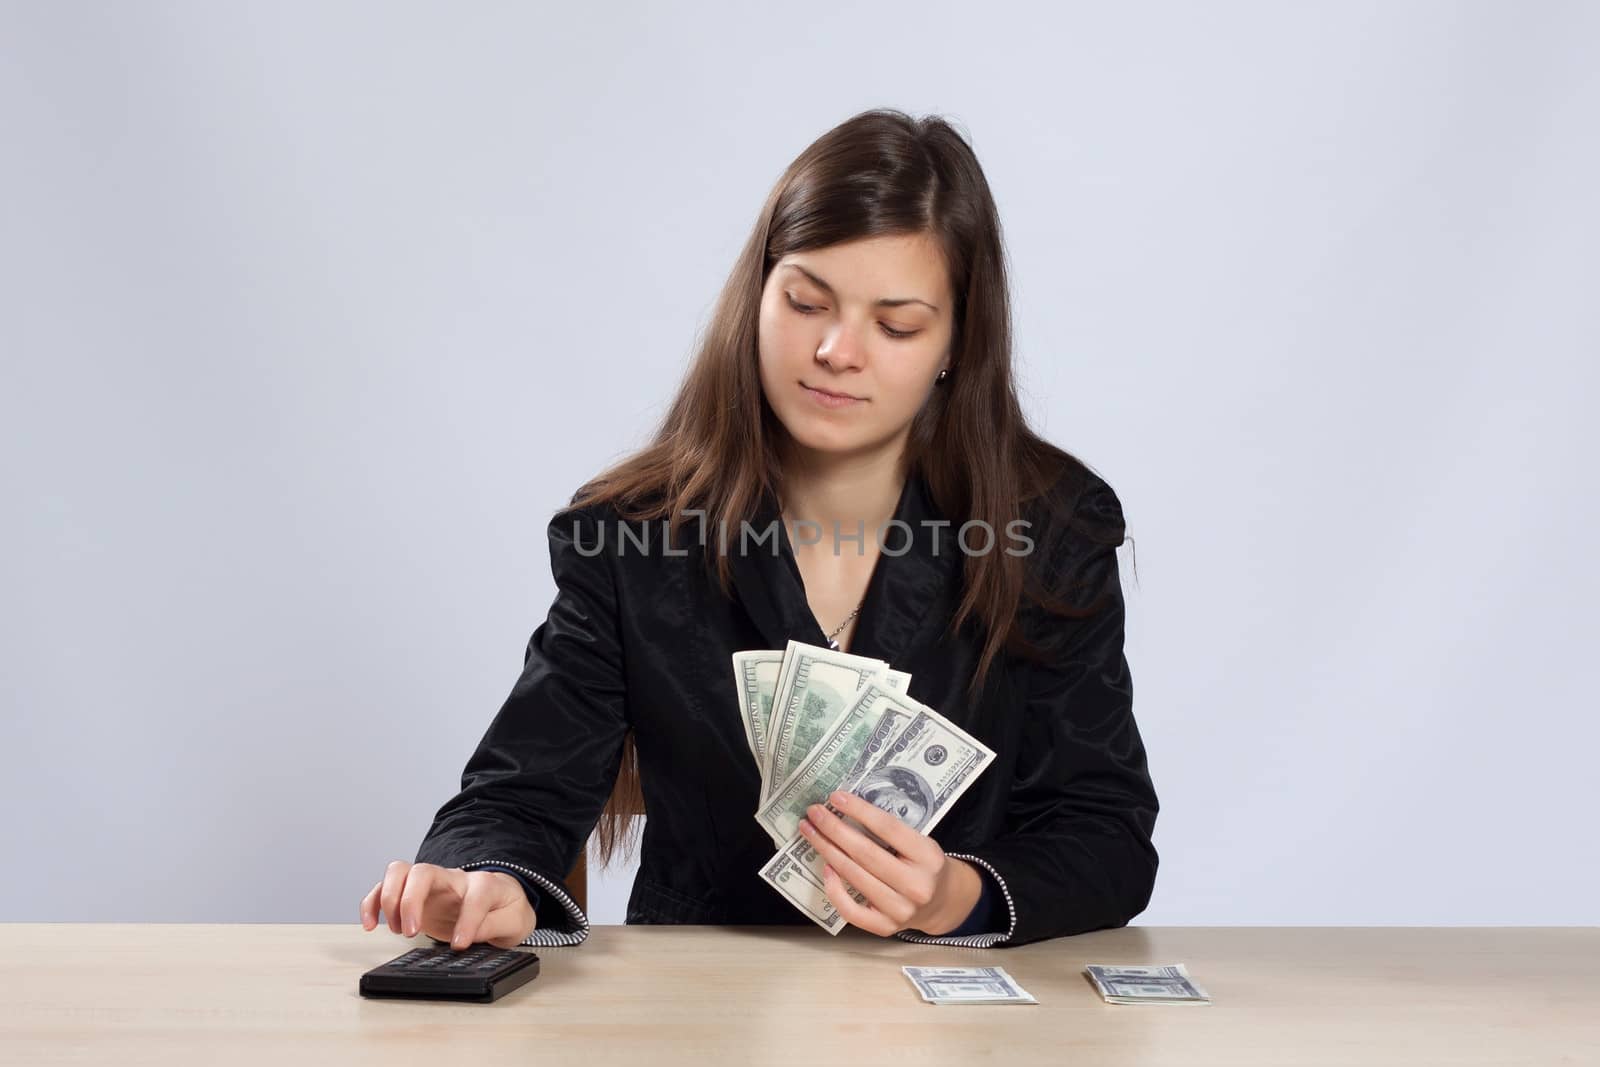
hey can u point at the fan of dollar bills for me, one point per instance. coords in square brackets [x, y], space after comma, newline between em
[820, 720]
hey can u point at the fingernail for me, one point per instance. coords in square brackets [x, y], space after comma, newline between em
[827, 869]
[805, 826]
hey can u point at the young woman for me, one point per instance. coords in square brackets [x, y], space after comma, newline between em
[857, 370]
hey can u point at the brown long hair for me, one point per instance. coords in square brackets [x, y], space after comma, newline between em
[717, 448]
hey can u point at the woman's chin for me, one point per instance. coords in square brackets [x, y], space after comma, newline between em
[825, 439]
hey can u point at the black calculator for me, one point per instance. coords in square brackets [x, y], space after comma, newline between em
[481, 973]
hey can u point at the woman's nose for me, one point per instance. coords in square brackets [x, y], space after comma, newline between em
[842, 349]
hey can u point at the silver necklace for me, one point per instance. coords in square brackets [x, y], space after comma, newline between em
[831, 642]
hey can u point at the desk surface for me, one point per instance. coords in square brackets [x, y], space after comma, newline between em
[239, 994]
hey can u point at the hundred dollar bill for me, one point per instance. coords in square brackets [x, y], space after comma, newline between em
[887, 718]
[798, 877]
[1169, 984]
[921, 770]
[967, 985]
[813, 689]
[755, 674]
[795, 871]
[849, 747]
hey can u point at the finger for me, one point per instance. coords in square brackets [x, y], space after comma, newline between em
[894, 833]
[394, 880]
[414, 898]
[873, 922]
[866, 853]
[369, 907]
[477, 896]
[884, 897]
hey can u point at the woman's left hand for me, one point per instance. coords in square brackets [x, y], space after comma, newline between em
[920, 888]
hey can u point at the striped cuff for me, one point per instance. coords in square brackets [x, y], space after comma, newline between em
[968, 939]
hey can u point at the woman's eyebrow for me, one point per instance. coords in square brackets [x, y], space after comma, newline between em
[886, 302]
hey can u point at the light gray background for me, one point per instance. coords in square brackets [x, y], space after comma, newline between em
[314, 312]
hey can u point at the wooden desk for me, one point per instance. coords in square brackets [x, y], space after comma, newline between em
[246, 994]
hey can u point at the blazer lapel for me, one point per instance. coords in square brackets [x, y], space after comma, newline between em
[910, 597]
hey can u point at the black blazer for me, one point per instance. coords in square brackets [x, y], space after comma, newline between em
[1062, 819]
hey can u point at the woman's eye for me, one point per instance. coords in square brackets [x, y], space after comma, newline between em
[899, 335]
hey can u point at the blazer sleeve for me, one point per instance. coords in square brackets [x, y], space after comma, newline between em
[534, 788]
[1076, 852]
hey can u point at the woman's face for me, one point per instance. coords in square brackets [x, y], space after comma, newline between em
[823, 328]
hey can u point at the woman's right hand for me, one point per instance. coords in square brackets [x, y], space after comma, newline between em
[450, 904]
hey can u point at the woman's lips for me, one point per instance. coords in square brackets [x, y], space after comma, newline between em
[829, 400]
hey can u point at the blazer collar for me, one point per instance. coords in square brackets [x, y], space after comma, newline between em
[910, 597]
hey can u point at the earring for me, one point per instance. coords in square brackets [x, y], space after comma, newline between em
[941, 376]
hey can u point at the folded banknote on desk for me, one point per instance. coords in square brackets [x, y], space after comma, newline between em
[1169, 984]
[967, 985]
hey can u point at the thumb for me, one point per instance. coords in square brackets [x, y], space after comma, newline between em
[474, 906]
[509, 916]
